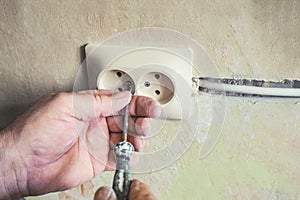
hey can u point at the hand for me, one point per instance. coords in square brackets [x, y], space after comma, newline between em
[45, 149]
[138, 191]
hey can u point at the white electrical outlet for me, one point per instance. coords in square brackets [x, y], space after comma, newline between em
[162, 74]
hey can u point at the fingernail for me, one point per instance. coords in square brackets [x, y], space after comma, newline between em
[135, 185]
[155, 111]
[144, 128]
[111, 195]
[144, 142]
[105, 193]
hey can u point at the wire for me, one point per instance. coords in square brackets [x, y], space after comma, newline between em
[244, 89]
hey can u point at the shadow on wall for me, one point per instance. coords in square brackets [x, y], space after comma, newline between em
[81, 82]
[11, 113]
[11, 110]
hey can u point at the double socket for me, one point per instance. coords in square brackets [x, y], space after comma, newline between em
[160, 73]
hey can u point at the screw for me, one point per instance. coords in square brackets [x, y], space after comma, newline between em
[157, 76]
[118, 74]
[147, 84]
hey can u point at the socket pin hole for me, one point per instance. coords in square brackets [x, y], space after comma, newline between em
[147, 84]
[157, 92]
[119, 74]
[157, 76]
[120, 89]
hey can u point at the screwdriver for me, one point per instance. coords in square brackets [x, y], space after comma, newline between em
[123, 151]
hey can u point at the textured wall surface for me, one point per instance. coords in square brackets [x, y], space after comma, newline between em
[257, 156]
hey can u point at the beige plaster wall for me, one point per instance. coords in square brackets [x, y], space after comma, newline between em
[257, 156]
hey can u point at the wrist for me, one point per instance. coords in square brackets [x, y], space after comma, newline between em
[13, 173]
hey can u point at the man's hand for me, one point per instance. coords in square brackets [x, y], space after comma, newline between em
[64, 140]
[138, 191]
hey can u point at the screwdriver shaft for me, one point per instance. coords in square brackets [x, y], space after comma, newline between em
[126, 115]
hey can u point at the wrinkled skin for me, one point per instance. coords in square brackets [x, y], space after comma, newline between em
[65, 139]
[138, 191]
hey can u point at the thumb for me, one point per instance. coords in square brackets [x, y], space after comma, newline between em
[91, 105]
[105, 193]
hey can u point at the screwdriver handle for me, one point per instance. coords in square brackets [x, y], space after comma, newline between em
[124, 151]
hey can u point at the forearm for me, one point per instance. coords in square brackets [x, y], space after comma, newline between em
[12, 171]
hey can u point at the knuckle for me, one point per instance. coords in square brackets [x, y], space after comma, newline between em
[60, 95]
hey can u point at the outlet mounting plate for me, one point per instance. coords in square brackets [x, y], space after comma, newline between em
[160, 73]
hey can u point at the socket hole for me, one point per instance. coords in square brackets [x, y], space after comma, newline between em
[161, 89]
[120, 89]
[118, 74]
[116, 80]
[147, 84]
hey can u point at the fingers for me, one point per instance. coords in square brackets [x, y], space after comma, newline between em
[140, 191]
[144, 107]
[105, 193]
[92, 104]
[137, 126]
[139, 143]
[89, 105]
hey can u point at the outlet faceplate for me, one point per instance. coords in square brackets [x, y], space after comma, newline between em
[159, 73]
